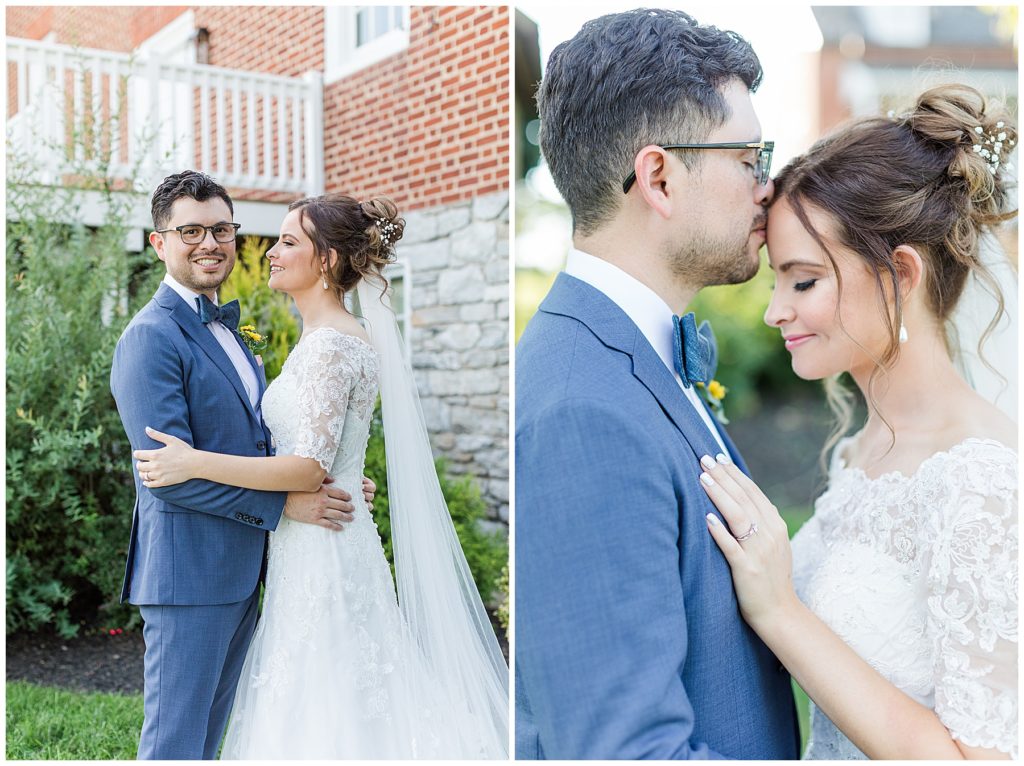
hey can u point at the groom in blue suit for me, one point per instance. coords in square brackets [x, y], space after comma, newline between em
[629, 642]
[197, 549]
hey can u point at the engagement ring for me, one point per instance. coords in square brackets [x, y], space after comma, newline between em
[749, 533]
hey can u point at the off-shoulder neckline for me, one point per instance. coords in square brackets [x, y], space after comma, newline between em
[897, 475]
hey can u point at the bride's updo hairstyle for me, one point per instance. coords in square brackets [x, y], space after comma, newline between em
[364, 235]
[932, 178]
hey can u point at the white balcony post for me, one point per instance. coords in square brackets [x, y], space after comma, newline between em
[152, 67]
[314, 101]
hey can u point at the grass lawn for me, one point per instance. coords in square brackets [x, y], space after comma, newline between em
[53, 724]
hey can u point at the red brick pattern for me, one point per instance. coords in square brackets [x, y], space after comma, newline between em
[428, 126]
[275, 40]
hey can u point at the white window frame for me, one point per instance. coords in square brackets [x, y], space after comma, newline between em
[341, 55]
[401, 271]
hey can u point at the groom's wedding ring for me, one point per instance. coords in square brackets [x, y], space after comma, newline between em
[749, 533]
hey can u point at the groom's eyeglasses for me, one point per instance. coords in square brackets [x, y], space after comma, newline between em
[194, 233]
[762, 165]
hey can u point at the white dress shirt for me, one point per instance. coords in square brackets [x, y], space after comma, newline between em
[225, 337]
[646, 309]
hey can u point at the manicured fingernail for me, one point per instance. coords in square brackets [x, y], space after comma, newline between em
[722, 458]
[707, 462]
[706, 478]
[713, 520]
[148, 429]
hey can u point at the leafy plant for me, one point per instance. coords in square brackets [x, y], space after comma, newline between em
[69, 492]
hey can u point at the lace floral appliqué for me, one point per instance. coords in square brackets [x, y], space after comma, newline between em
[918, 575]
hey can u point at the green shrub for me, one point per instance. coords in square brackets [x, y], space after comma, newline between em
[503, 606]
[69, 489]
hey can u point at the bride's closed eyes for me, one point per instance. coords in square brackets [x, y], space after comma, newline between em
[805, 285]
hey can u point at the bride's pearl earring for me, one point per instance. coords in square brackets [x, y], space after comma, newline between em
[324, 273]
[903, 333]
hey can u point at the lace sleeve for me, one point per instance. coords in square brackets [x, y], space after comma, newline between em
[972, 608]
[326, 377]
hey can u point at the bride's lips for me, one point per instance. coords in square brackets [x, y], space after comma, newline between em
[792, 341]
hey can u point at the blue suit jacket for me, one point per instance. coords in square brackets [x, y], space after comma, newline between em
[196, 542]
[629, 642]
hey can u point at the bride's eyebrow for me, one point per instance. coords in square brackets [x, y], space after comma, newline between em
[797, 262]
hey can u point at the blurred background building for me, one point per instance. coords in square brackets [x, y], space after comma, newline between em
[283, 102]
[823, 65]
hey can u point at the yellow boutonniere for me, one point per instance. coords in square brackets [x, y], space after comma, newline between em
[252, 339]
[714, 393]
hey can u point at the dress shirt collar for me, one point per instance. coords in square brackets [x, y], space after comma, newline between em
[186, 295]
[641, 304]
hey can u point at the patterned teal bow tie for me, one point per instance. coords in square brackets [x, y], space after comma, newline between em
[694, 350]
[227, 314]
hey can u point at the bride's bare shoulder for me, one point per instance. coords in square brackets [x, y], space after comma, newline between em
[983, 420]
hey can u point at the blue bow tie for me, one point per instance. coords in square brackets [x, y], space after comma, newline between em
[694, 350]
[227, 315]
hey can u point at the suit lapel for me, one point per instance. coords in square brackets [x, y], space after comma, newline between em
[189, 321]
[573, 297]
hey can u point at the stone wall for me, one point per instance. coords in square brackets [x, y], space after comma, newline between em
[458, 255]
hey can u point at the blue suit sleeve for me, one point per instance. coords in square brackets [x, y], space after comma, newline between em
[147, 380]
[600, 623]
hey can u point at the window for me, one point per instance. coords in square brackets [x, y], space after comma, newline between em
[357, 36]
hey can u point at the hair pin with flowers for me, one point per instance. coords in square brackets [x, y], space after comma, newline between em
[386, 228]
[992, 146]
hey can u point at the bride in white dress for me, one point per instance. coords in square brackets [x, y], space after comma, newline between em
[338, 666]
[896, 608]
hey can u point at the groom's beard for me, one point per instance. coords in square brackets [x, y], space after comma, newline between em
[706, 260]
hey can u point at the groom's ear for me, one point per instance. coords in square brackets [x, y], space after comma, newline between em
[652, 175]
[157, 241]
[909, 268]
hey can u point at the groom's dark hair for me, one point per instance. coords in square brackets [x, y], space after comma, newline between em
[627, 80]
[191, 184]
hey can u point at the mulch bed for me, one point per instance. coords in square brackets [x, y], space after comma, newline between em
[96, 663]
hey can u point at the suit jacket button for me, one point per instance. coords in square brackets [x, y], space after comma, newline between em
[261, 444]
[259, 522]
[239, 516]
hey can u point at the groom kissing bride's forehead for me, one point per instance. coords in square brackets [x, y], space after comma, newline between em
[649, 131]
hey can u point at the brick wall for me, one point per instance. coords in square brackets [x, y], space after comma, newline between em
[429, 125]
[276, 40]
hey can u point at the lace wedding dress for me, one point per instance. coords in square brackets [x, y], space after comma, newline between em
[332, 671]
[919, 575]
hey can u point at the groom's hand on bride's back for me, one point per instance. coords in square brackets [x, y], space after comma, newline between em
[329, 507]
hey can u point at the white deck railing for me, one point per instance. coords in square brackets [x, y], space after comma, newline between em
[74, 108]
